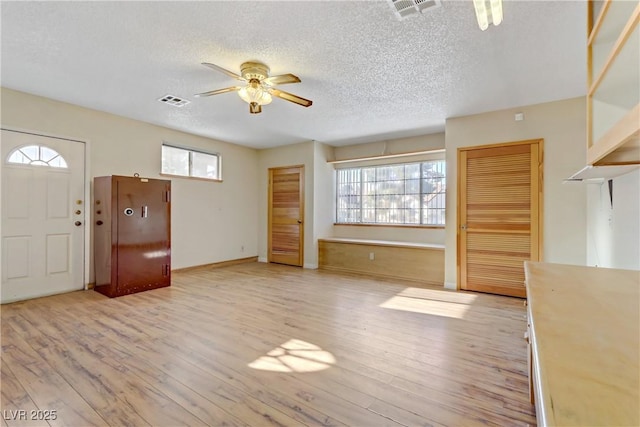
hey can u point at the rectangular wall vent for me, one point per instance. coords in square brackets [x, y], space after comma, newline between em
[406, 8]
[173, 100]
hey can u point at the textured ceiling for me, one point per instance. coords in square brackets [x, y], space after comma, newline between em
[371, 77]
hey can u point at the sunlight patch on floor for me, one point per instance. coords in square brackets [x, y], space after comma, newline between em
[429, 301]
[295, 356]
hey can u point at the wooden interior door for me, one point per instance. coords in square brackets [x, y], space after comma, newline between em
[499, 215]
[286, 215]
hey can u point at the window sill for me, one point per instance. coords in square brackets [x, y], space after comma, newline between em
[195, 178]
[436, 227]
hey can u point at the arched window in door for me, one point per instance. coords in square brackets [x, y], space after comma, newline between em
[37, 155]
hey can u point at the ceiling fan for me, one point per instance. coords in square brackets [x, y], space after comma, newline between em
[259, 87]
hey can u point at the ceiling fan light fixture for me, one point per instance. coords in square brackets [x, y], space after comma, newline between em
[255, 92]
[488, 12]
[255, 108]
[259, 87]
[496, 11]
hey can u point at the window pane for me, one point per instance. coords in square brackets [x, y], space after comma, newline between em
[396, 172]
[349, 182]
[412, 216]
[58, 162]
[369, 202]
[382, 215]
[383, 201]
[395, 187]
[411, 193]
[368, 215]
[433, 190]
[175, 161]
[412, 186]
[412, 171]
[369, 174]
[204, 165]
[348, 197]
[412, 201]
[31, 152]
[368, 188]
[18, 157]
[46, 154]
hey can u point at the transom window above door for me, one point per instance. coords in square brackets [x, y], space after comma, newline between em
[37, 155]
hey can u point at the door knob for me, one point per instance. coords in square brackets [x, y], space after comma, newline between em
[299, 221]
[78, 223]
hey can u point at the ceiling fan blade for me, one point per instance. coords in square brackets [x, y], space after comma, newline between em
[282, 79]
[216, 92]
[223, 70]
[291, 97]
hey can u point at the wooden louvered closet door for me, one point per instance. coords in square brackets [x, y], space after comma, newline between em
[500, 194]
[286, 215]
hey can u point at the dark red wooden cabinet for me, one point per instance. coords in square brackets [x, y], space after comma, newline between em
[132, 234]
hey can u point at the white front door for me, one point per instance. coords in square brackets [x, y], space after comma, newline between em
[43, 215]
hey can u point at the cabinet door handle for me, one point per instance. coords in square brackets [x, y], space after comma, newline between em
[144, 212]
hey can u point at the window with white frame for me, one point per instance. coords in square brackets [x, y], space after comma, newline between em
[190, 162]
[395, 194]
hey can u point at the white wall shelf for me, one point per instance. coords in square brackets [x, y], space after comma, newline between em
[613, 99]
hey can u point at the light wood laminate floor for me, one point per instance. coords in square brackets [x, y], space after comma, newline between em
[263, 344]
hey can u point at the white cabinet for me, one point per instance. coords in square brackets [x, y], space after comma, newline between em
[614, 82]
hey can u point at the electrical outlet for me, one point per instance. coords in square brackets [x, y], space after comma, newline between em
[372, 256]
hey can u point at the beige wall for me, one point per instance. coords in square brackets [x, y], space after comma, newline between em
[323, 193]
[211, 222]
[613, 232]
[562, 125]
[395, 146]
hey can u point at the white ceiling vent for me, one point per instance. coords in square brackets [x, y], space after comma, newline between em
[173, 100]
[405, 8]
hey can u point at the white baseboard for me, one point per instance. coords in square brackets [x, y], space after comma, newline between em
[262, 259]
[450, 285]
